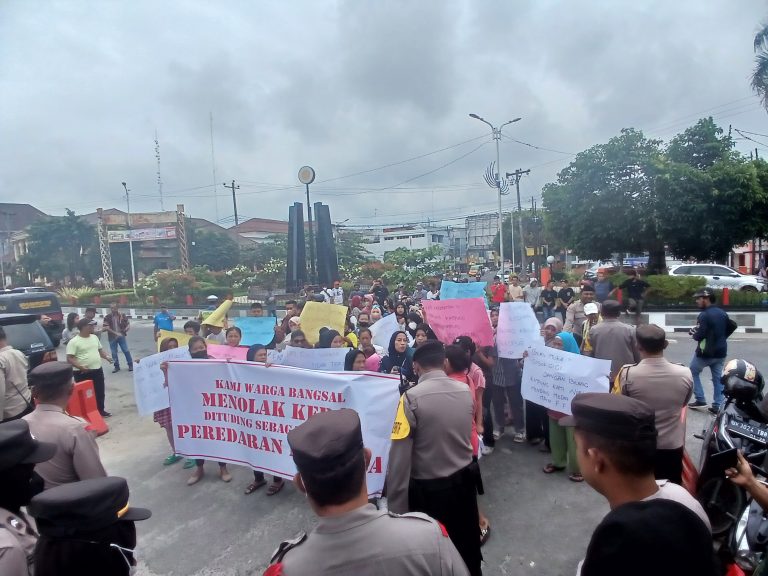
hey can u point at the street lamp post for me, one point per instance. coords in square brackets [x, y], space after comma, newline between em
[306, 177]
[496, 132]
[130, 238]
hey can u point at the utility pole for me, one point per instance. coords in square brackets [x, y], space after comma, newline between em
[130, 238]
[515, 176]
[496, 132]
[234, 198]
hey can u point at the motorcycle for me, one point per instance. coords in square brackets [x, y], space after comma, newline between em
[739, 525]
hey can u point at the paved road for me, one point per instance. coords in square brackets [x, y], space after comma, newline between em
[540, 524]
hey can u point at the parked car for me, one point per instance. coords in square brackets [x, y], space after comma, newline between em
[39, 304]
[719, 276]
[609, 267]
[25, 333]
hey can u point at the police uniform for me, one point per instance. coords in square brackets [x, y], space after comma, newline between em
[77, 456]
[667, 388]
[662, 534]
[431, 469]
[18, 536]
[86, 528]
[364, 540]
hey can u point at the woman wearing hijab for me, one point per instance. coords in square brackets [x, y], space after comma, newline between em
[329, 339]
[398, 360]
[376, 313]
[561, 438]
[536, 418]
[258, 353]
[354, 361]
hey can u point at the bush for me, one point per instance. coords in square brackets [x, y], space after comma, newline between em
[667, 289]
[169, 285]
[84, 294]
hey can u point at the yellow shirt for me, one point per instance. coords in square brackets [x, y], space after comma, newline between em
[86, 350]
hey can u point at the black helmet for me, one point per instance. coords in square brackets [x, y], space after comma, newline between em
[742, 381]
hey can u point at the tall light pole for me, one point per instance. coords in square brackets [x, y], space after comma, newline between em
[130, 238]
[496, 132]
[306, 177]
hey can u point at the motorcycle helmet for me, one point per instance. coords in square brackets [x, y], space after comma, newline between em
[742, 381]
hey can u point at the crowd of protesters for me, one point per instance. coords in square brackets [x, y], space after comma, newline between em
[459, 399]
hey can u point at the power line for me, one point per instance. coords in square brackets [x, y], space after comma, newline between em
[537, 147]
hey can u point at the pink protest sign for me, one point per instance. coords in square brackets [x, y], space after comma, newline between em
[464, 317]
[224, 352]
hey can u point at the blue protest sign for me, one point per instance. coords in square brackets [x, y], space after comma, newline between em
[256, 330]
[458, 290]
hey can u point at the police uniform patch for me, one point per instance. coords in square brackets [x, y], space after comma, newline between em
[401, 428]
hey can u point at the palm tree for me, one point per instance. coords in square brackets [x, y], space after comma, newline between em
[760, 75]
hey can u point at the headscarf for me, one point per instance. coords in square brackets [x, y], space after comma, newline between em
[556, 323]
[373, 362]
[326, 337]
[569, 342]
[251, 354]
[349, 359]
[355, 301]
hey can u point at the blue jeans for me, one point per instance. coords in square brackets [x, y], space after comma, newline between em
[716, 368]
[124, 347]
[549, 312]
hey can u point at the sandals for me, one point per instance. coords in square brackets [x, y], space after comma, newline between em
[275, 487]
[485, 533]
[172, 459]
[189, 463]
[253, 486]
[551, 468]
[576, 477]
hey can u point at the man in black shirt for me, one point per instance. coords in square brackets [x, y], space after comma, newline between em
[549, 300]
[564, 297]
[634, 290]
[379, 291]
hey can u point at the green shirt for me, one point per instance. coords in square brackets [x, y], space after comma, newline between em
[86, 350]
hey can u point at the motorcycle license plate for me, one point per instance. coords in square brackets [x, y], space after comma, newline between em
[756, 433]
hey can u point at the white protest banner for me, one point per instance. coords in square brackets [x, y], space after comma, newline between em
[149, 381]
[518, 329]
[241, 412]
[311, 358]
[382, 330]
[552, 377]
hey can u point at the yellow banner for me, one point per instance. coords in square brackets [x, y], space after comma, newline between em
[317, 315]
[217, 317]
[181, 337]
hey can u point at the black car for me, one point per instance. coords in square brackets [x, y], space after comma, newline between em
[39, 304]
[25, 333]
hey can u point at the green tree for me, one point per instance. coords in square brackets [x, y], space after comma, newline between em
[58, 246]
[213, 249]
[411, 266]
[603, 202]
[351, 253]
[760, 73]
[274, 247]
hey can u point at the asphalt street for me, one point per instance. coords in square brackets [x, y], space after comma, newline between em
[540, 524]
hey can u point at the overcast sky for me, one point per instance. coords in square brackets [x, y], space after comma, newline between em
[347, 87]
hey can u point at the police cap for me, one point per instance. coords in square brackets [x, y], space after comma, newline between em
[326, 441]
[18, 446]
[84, 507]
[50, 375]
[612, 416]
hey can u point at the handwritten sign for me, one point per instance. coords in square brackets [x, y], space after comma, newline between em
[181, 338]
[149, 381]
[331, 359]
[316, 315]
[455, 290]
[464, 317]
[382, 330]
[241, 412]
[224, 352]
[518, 329]
[256, 330]
[552, 377]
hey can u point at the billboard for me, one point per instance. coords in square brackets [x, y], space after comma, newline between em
[167, 233]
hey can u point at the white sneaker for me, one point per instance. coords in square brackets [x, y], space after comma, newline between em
[498, 433]
[519, 438]
[486, 450]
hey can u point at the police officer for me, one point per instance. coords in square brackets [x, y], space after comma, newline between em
[77, 456]
[86, 528]
[653, 527]
[430, 461]
[19, 452]
[352, 537]
[665, 387]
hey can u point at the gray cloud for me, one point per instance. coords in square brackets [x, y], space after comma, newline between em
[346, 86]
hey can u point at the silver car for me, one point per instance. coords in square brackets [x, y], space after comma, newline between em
[719, 277]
